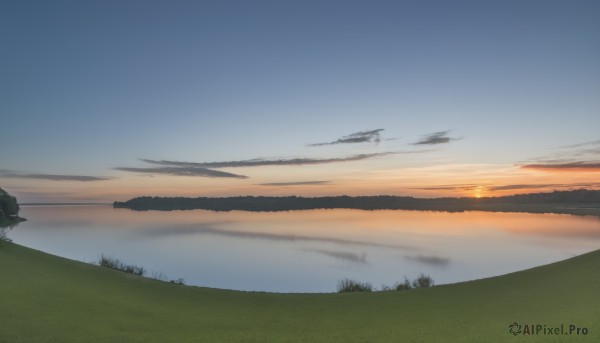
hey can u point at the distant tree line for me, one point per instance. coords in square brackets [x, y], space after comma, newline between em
[348, 285]
[578, 196]
[535, 202]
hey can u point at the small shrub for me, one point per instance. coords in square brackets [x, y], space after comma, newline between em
[403, 286]
[347, 285]
[179, 281]
[108, 262]
[423, 281]
[113, 263]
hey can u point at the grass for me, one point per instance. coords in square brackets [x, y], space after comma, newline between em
[44, 298]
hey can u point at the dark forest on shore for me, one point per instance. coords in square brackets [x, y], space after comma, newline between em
[582, 202]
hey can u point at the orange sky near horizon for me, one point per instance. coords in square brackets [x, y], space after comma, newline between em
[460, 180]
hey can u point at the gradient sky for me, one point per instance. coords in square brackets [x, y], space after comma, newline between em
[423, 98]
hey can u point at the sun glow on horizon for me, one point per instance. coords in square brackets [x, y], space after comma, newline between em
[478, 192]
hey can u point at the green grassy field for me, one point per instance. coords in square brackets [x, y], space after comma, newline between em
[51, 299]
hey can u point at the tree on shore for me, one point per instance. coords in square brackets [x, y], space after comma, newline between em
[9, 209]
[8, 204]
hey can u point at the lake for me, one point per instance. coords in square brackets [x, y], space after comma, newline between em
[308, 251]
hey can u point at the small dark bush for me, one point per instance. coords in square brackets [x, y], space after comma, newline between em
[113, 263]
[423, 281]
[402, 286]
[179, 281]
[347, 285]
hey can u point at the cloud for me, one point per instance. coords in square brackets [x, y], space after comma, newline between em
[515, 187]
[297, 183]
[569, 166]
[342, 255]
[259, 162]
[465, 187]
[206, 229]
[206, 169]
[468, 187]
[440, 137]
[537, 186]
[183, 171]
[356, 137]
[435, 261]
[570, 158]
[52, 177]
[584, 144]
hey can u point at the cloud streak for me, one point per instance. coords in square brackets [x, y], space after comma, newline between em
[469, 187]
[440, 137]
[297, 183]
[259, 162]
[206, 169]
[582, 157]
[356, 137]
[537, 186]
[465, 187]
[565, 167]
[584, 144]
[53, 177]
[183, 171]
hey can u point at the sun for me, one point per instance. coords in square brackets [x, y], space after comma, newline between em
[478, 192]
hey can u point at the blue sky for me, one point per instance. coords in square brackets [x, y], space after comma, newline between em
[90, 86]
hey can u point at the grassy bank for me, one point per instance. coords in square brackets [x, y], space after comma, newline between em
[48, 298]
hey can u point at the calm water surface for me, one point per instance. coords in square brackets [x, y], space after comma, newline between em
[308, 251]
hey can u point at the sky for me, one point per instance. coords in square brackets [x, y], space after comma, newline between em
[108, 100]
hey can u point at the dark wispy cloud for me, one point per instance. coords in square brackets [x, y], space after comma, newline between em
[208, 229]
[570, 166]
[182, 171]
[258, 162]
[584, 144]
[297, 183]
[465, 187]
[469, 187]
[342, 255]
[435, 261]
[440, 137]
[52, 177]
[356, 137]
[541, 186]
[569, 158]
[520, 186]
[206, 169]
